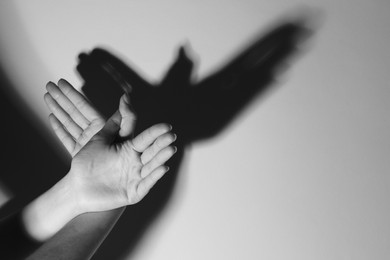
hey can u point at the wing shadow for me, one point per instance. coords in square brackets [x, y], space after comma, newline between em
[197, 111]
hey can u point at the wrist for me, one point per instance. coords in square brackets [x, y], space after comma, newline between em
[80, 200]
[48, 213]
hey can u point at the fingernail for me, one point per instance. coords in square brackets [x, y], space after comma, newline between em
[174, 137]
[170, 127]
[174, 149]
[166, 168]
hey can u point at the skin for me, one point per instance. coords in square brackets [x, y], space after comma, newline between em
[109, 169]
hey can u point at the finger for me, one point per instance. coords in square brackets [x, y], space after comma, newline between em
[161, 142]
[110, 129]
[158, 160]
[66, 104]
[66, 121]
[147, 137]
[79, 101]
[64, 137]
[128, 117]
[90, 131]
[112, 65]
[147, 183]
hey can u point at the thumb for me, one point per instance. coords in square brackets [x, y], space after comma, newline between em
[128, 117]
[110, 130]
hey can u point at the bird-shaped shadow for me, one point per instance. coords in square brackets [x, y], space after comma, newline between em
[197, 111]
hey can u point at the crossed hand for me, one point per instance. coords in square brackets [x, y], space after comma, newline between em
[109, 168]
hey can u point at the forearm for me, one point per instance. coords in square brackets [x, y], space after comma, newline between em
[24, 231]
[80, 238]
[48, 213]
[58, 224]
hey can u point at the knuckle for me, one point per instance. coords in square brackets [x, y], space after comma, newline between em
[72, 110]
[68, 122]
[148, 167]
[149, 132]
[80, 103]
[143, 158]
[65, 89]
[99, 122]
[159, 143]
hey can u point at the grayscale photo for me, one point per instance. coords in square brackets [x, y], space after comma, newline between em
[187, 130]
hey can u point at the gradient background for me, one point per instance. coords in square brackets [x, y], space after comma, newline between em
[303, 173]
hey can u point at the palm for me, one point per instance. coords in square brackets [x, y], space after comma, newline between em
[110, 173]
[108, 177]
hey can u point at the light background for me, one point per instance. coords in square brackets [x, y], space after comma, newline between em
[303, 173]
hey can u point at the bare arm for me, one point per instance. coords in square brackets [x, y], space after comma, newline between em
[80, 238]
[109, 171]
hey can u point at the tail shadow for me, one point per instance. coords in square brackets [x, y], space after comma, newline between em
[197, 111]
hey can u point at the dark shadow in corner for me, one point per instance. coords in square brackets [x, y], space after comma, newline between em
[30, 162]
[29, 166]
[197, 111]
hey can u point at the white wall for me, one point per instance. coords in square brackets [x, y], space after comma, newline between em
[303, 174]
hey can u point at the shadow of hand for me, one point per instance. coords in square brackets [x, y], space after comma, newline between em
[196, 110]
[199, 110]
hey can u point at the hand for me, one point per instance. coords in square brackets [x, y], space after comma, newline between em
[108, 174]
[109, 170]
[202, 109]
[73, 119]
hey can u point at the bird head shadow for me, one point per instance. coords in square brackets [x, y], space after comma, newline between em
[197, 111]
